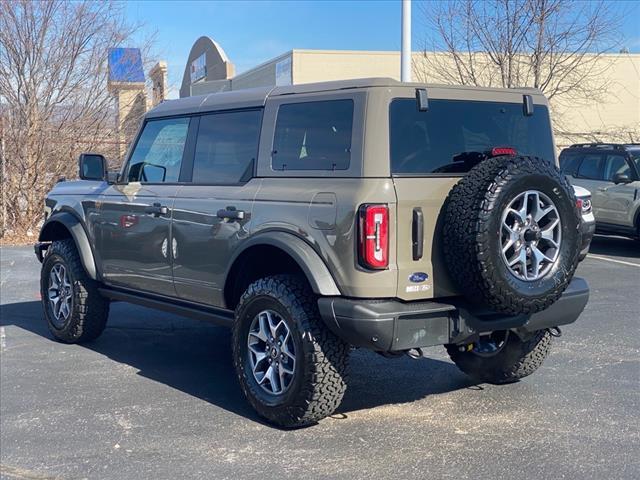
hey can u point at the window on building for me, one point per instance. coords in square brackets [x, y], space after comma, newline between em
[591, 166]
[450, 134]
[313, 136]
[226, 147]
[157, 156]
[614, 165]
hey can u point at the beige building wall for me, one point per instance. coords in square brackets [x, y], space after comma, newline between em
[615, 116]
[264, 75]
[612, 116]
[131, 105]
[326, 65]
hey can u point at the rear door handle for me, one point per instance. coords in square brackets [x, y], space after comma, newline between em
[230, 213]
[417, 233]
[156, 210]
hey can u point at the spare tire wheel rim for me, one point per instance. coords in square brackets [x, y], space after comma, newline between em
[531, 235]
[271, 351]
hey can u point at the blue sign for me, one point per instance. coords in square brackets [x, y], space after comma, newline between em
[125, 65]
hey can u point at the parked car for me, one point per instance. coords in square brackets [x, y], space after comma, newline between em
[588, 220]
[316, 218]
[612, 173]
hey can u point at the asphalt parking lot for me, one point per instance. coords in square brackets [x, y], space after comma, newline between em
[155, 397]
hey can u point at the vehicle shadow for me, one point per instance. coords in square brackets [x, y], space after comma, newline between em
[615, 246]
[195, 358]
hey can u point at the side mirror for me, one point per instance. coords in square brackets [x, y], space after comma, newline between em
[153, 173]
[621, 178]
[93, 166]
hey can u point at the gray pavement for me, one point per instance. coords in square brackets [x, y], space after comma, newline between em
[155, 397]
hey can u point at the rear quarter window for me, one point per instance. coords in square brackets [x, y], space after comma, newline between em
[313, 136]
[439, 140]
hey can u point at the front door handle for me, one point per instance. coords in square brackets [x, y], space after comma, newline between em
[156, 210]
[230, 213]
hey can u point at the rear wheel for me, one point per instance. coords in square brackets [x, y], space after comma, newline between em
[74, 309]
[502, 356]
[291, 368]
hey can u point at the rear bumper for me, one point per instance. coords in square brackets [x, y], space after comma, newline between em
[392, 325]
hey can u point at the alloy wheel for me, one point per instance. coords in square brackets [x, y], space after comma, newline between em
[60, 293]
[531, 234]
[271, 350]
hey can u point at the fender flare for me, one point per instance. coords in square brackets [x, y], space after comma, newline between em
[313, 267]
[79, 235]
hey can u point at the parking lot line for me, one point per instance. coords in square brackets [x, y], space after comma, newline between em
[598, 257]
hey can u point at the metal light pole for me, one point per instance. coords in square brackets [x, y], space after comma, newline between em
[405, 54]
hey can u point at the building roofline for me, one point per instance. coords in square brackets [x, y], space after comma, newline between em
[264, 64]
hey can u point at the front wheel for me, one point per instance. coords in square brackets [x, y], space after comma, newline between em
[291, 368]
[502, 356]
[73, 307]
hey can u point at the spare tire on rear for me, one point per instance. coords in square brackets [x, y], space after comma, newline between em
[511, 234]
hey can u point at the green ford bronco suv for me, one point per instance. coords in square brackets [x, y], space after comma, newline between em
[313, 219]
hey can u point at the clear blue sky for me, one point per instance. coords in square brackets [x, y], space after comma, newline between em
[252, 32]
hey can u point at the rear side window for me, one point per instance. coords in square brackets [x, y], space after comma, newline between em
[445, 138]
[226, 147]
[614, 165]
[591, 166]
[313, 136]
[157, 156]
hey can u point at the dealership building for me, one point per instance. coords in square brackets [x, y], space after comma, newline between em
[612, 117]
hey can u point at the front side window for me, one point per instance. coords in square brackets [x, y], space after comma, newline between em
[447, 137]
[591, 167]
[226, 147]
[157, 156]
[614, 165]
[313, 136]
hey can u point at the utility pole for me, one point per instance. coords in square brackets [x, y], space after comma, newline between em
[405, 54]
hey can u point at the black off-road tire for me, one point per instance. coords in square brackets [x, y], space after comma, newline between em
[472, 226]
[319, 382]
[89, 310]
[516, 360]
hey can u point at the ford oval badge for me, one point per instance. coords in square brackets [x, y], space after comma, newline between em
[418, 277]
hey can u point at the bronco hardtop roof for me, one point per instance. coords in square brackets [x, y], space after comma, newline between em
[256, 97]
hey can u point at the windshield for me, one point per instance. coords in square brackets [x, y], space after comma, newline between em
[450, 135]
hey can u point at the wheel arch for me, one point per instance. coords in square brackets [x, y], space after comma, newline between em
[65, 225]
[276, 252]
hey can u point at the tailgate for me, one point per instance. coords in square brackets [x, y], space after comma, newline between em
[421, 197]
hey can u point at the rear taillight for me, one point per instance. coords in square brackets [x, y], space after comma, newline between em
[374, 236]
[584, 205]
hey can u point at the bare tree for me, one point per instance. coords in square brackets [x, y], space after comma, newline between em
[554, 45]
[53, 94]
